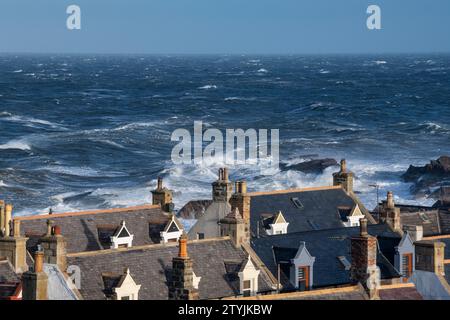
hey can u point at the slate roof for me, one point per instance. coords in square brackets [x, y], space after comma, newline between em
[326, 246]
[447, 272]
[401, 292]
[150, 267]
[90, 230]
[428, 219]
[319, 208]
[7, 273]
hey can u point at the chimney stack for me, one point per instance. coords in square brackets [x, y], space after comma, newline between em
[54, 245]
[13, 248]
[35, 283]
[430, 256]
[163, 197]
[344, 178]
[241, 200]
[364, 261]
[390, 214]
[222, 188]
[234, 226]
[181, 284]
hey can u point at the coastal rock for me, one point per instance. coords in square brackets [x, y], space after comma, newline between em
[194, 209]
[430, 177]
[312, 166]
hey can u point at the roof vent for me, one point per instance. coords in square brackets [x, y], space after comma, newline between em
[297, 202]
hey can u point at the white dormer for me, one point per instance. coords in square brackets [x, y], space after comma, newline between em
[172, 232]
[353, 217]
[248, 278]
[279, 225]
[302, 267]
[127, 289]
[405, 256]
[122, 238]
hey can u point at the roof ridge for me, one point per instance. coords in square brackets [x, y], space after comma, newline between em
[87, 212]
[142, 247]
[353, 288]
[262, 193]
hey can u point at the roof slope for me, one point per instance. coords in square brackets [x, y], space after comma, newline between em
[319, 208]
[150, 267]
[326, 246]
[85, 231]
[7, 273]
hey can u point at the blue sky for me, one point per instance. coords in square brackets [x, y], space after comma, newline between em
[225, 26]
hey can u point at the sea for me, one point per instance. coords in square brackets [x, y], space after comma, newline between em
[83, 132]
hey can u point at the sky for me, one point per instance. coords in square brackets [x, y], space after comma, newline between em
[225, 26]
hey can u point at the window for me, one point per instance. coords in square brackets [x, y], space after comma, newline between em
[303, 278]
[297, 202]
[407, 265]
[200, 236]
[125, 298]
[247, 288]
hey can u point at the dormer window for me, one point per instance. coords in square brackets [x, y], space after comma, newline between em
[122, 238]
[301, 274]
[405, 256]
[120, 286]
[350, 216]
[172, 232]
[248, 278]
[276, 224]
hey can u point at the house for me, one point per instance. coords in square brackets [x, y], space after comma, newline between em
[435, 220]
[203, 269]
[302, 209]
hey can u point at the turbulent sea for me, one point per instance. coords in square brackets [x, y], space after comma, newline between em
[84, 132]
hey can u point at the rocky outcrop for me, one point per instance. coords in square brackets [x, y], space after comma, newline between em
[427, 179]
[311, 166]
[194, 209]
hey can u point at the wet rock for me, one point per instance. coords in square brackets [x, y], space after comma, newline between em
[312, 166]
[429, 178]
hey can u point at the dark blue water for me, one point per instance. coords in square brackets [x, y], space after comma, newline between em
[80, 132]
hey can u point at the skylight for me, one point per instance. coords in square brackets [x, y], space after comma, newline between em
[313, 225]
[297, 202]
[345, 263]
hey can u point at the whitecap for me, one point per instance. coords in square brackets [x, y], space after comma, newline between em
[208, 86]
[15, 144]
[18, 71]
[262, 70]
[3, 184]
[323, 71]
[380, 62]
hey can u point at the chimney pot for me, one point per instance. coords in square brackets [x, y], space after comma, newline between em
[390, 200]
[49, 227]
[57, 230]
[343, 165]
[225, 174]
[16, 228]
[182, 253]
[160, 183]
[8, 217]
[39, 261]
[363, 227]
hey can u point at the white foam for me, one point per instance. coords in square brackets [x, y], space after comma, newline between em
[18, 71]
[208, 86]
[380, 62]
[15, 144]
[3, 184]
[262, 70]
